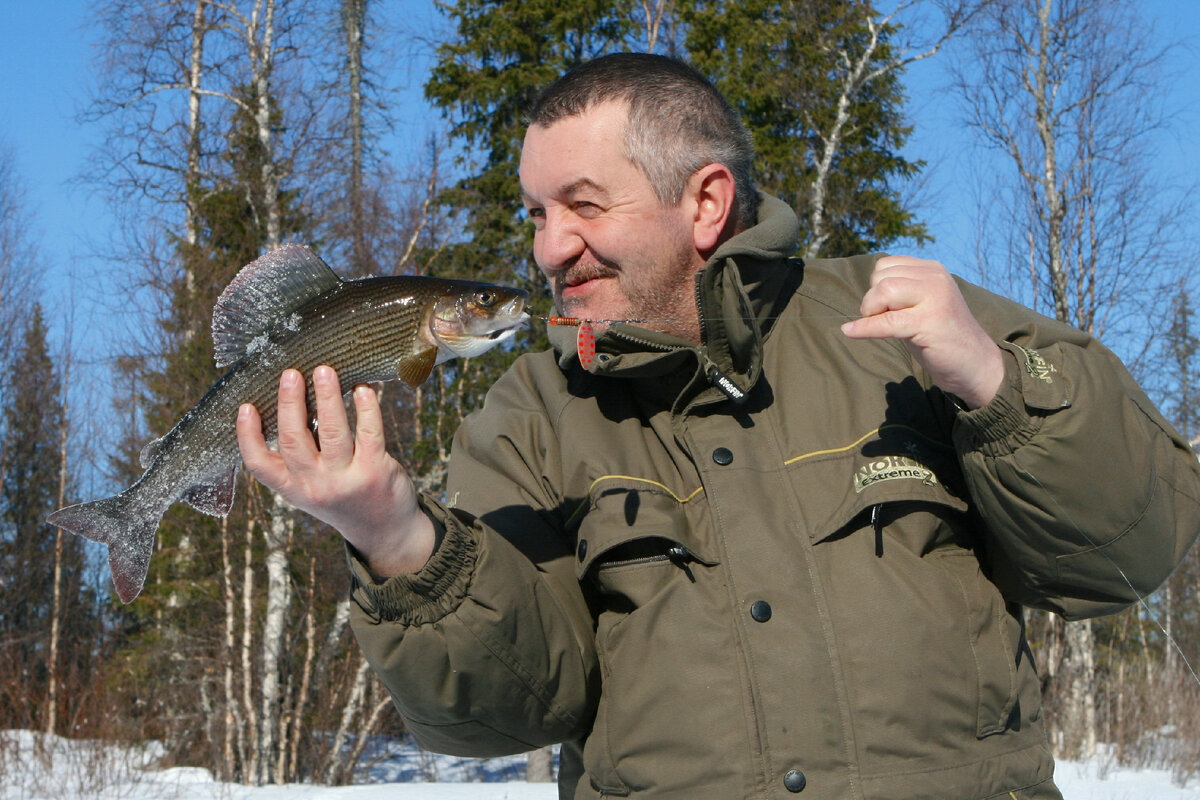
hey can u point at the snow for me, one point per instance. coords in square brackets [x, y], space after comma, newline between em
[38, 767]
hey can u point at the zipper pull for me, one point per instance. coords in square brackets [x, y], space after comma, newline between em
[722, 381]
[680, 556]
[877, 524]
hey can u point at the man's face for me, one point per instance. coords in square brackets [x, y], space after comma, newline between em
[607, 246]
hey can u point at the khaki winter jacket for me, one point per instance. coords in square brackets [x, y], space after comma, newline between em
[815, 589]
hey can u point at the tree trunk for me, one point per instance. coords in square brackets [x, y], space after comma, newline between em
[261, 42]
[1079, 697]
[250, 756]
[335, 766]
[279, 596]
[354, 14]
[233, 753]
[539, 766]
[195, 76]
[57, 592]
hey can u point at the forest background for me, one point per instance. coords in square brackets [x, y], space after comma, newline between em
[150, 148]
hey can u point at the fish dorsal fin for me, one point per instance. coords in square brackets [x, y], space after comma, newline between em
[415, 369]
[263, 295]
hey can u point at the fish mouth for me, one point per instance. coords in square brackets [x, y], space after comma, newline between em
[508, 330]
[501, 333]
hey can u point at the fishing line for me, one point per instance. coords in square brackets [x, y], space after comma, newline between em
[575, 321]
[1140, 598]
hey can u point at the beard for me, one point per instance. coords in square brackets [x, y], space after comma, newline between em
[658, 294]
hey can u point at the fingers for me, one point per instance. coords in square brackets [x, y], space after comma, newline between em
[349, 482]
[262, 462]
[918, 302]
[298, 453]
[333, 427]
[902, 293]
[296, 444]
[369, 440]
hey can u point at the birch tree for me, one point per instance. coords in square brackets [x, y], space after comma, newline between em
[1064, 92]
[818, 84]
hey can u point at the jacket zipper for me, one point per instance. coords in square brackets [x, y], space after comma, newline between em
[678, 555]
[665, 348]
[711, 371]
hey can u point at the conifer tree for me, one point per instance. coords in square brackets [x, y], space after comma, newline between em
[33, 420]
[484, 81]
[818, 84]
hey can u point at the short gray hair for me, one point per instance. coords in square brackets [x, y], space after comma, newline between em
[678, 122]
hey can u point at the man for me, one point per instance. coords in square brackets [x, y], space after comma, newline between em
[775, 536]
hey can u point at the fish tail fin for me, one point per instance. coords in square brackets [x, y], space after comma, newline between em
[118, 522]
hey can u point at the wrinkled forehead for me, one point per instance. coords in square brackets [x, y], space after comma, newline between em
[584, 150]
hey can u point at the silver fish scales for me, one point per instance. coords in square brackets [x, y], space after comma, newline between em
[288, 310]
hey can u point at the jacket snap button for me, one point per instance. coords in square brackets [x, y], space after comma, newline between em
[722, 455]
[794, 781]
[581, 550]
[760, 611]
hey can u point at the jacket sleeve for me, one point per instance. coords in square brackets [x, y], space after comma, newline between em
[1088, 497]
[488, 650]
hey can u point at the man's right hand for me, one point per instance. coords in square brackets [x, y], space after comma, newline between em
[349, 481]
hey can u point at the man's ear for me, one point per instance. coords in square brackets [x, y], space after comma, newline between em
[712, 190]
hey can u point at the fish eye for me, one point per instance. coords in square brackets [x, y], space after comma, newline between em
[485, 298]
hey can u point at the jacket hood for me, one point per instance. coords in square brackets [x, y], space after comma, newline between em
[738, 293]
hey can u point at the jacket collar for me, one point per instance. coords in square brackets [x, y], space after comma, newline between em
[738, 292]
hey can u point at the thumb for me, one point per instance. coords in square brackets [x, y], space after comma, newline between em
[885, 325]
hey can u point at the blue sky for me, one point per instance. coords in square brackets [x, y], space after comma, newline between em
[46, 51]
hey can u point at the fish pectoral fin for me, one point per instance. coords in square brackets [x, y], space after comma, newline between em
[214, 498]
[415, 369]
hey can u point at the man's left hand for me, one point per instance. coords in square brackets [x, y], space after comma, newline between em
[919, 302]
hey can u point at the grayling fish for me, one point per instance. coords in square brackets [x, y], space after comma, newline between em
[288, 309]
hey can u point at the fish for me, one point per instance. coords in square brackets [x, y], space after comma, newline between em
[288, 309]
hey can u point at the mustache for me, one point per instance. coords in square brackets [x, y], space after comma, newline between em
[582, 273]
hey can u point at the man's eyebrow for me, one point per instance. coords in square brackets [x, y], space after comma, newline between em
[569, 189]
[581, 183]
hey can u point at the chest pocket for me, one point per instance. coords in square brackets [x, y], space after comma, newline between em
[637, 534]
[892, 466]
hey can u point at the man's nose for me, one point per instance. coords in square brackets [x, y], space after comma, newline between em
[558, 243]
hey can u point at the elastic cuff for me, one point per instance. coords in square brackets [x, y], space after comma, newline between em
[428, 595]
[1004, 424]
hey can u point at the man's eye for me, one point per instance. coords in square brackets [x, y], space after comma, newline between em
[585, 209]
[535, 215]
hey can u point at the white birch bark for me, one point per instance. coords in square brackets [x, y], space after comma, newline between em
[1058, 87]
[57, 591]
[856, 71]
[277, 535]
[539, 766]
[232, 716]
[350, 709]
[195, 83]
[250, 755]
[354, 13]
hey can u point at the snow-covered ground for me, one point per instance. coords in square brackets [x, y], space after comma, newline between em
[36, 767]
